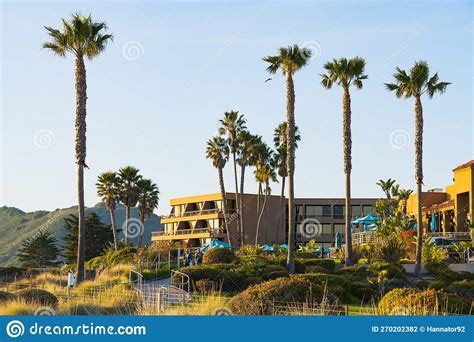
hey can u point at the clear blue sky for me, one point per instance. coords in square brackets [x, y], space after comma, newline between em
[198, 60]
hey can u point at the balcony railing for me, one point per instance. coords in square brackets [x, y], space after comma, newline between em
[211, 231]
[370, 236]
[197, 212]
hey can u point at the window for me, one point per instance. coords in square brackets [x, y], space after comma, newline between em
[299, 213]
[356, 211]
[327, 212]
[339, 211]
[367, 209]
[314, 210]
[326, 229]
[340, 228]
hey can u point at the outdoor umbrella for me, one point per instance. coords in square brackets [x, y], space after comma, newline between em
[284, 246]
[215, 244]
[337, 240]
[268, 248]
[434, 223]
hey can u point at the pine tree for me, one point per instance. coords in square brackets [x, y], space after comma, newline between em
[40, 251]
[98, 237]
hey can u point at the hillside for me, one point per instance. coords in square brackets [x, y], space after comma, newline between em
[16, 226]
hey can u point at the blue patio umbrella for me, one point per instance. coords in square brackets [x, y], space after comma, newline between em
[434, 223]
[215, 244]
[268, 248]
[284, 246]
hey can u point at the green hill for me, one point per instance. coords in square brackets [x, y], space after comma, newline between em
[16, 226]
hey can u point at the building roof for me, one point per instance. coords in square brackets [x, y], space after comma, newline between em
[442, 205]
[465, 165]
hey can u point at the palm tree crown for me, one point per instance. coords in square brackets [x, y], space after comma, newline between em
[217, 151]
[417, 82]
[148, 197]
[232, 125]
[81, 37]
[289, 60]
[129, 177]
[107, 189]
[344, 72]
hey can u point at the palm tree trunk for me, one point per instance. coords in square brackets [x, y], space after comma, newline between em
[114, 228]
[127, 222]
[237, 203]
[419, 179]
[242, 229]
[142, 220]
[290, 165]
[81, 112]
[281, 212]
[224, 203]
[346, 123]
[260, 217]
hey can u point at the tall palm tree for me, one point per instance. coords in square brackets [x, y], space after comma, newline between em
[129, 177]
[148, 197]
[82, 37]
[263, 156]
[289, 60]
[247, 153]
[280, 142]
[108, 190]
[231, 126]
[264, 173]
[218, 152]
[416, 83]
[386, 187]
[346, 73]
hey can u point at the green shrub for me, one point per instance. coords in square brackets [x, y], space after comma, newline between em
[38, 296]
[250, 281]
[389, 249]
[227, 281]
[438, 285]
[409, 301]
[250, 250]
[393, 270]
[218, 256]
[354, 272]
[5, 296]
[299, 265]
[335, 284]
[358, 251]
[316, 269]
[328, 264]
[252, 266]
[422, 284]
[306, 255]
[274, 275]
[463, 288]
[363, 291]
[149, 274]
[433, 254]
[261, 298]
[205, 285]
[406, 261]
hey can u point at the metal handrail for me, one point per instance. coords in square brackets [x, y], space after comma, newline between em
[185, 280]
[197, 212]
[187, 231]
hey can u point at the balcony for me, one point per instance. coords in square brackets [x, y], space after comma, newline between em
[191, 215]
[182, 234]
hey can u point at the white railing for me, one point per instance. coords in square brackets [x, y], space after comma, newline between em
[212, 231]
[197, 213]
[184, 281]
[451, 235]
[363, 237]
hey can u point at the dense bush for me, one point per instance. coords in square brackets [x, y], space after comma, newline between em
[316, 269]
[205, 285]
[306, 255]
[410, 301]
[38, 296]
[408, 239]
[253, 266]
[218, 256]
[250, 250]
[299, 265]
[250, 281]
[422, 284]
[260, 299]
[392, 270]
[274, 275]
[328, 264]
[354, 272]
[463, 288]
[227, 281]
[358, 251]
[334, 284]
[126, 255]
[363, 291]
[5, 296]
[389, 249]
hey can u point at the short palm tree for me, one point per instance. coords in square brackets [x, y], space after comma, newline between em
[108, 190]
[386, 187]
[280, 143]
[264, 174]
[247, 153]
[231, 127]
[346, 73]
[148, 197]
[416, 83]
[83, 38]
[129, 177]
[218, 152]
[289, 60]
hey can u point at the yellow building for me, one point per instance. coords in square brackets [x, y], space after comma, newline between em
[452, 209]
